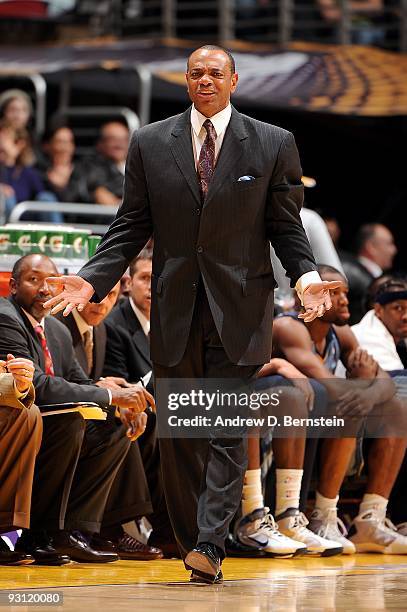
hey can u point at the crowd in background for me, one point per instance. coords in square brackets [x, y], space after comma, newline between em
[48, 170]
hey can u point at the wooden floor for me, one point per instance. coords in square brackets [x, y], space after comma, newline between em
[349, 583]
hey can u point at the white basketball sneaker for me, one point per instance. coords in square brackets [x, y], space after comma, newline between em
[402, 529]
[293, 524]
[376, 533]
[259, 529]
[328, 525]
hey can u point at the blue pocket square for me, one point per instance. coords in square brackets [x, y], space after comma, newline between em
[246, 177]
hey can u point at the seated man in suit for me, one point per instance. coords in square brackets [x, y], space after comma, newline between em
[77, 462]
[374, 254]
[89, 341]
[20, 440]
[128, 326]
[128, 355]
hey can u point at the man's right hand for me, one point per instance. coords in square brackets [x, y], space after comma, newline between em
[72, 292]
[135, 398]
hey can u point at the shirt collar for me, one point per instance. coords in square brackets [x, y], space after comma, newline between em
[220, 121]
[81, 323]
[33, 321]
[144, 322]
[370, 266]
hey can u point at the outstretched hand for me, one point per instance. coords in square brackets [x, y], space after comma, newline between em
[72, 292]
[316, 299]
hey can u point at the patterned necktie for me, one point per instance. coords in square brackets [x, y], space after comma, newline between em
[49, 368]
[206, 162]
[88, 346]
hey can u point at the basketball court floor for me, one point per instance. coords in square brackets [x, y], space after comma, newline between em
[351, 583]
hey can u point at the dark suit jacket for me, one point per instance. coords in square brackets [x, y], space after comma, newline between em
[225, 242]
[359, 279]
[127, 347]
[70, 383]
[99, 346]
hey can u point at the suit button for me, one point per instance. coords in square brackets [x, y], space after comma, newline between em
[199, 249]
[198, 211]
[194, 286]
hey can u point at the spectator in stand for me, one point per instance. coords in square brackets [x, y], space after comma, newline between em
[19, 180]
[374, 254]
[105, 172]
[366, 18]
[16, 109]
[59, 172]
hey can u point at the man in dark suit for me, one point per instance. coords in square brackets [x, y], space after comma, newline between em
[374, 254]
[128, 326]
[130, 496]
[128, 355]
[214, 187]
[77, 464]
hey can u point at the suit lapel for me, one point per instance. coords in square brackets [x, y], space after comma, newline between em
[77, 342]
[99, 350]
[133, 324]
[230, 153]
[181, 147]
[36, 341]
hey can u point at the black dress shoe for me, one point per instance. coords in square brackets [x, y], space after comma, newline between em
[127, 548]
[201, 580]
[39, 545]
[236, 549]
[12, 557]
[204, 561]
[77, 546]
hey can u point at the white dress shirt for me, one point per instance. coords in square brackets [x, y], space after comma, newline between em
[371, 266]
[145, 325]
[82, 325]
[144, 322]
[375, 338]
[220, 122]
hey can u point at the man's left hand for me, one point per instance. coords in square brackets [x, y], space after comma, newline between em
[316, 299]
[22, 371]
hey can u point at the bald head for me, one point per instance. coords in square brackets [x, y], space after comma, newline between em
[28, 284]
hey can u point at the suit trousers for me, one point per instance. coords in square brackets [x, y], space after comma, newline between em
[203, 478]
[20, 440]
[75, 470]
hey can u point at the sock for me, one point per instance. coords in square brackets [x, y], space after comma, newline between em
[372, 501]
[325, 503]
[288, 488]
[252, 497]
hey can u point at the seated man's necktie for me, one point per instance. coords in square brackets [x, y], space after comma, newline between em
[49, 367]
[206, 162]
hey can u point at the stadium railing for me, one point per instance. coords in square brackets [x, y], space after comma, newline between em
[92, 213]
